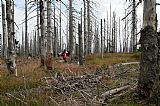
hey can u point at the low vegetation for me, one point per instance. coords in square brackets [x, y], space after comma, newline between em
[30, 88]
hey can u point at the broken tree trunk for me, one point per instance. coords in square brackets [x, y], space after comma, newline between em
[148, 65]
[11, 64]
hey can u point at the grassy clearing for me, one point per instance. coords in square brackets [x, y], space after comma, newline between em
[29, 75]
[112, 58]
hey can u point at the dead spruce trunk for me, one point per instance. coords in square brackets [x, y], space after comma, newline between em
[148, 79]
[49, 37]
[42, 26]
[148, 63]
[11, 64]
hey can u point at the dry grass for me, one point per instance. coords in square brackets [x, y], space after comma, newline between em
[29, 75]
[112, 58]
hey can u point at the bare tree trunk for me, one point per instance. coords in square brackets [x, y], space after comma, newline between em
[89, 26]
[81, 54]
[134, 27]
[43, 51]
[38, 34]
[11, 65]
[101, 40]
[35, 43]
[60, 19]
[120, 35]
[125, 35]
[110, 36]
[49, 37]
[85, 34]
[26, 31]
[80, 44]
[149, 72]
[71, 30]
[4, 32]
[23, 51]
[104, 44]
[55, 33]
[107, 33]
[31, 47]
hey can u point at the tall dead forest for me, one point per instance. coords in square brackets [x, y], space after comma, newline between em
[76, 26]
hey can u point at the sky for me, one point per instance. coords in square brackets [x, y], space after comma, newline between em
[101, 8]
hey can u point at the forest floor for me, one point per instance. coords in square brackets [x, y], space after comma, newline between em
[110, 81]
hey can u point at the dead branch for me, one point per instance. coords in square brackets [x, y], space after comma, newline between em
[54, 101]
[114, 91]
[10, 95]
[132, 10]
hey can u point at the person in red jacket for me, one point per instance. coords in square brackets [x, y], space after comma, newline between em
[64, 55]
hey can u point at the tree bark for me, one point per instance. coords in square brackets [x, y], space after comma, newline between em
[42, 26]
[71, 43]
[26, 31]
[80, 45]
[85, 34]
[38, 34]
[11, 65]
[49, 37]
[148, 63]
[101, 40]
[89, 27]
[4, 32]
[149, 78]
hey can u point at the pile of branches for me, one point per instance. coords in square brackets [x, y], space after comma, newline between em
[80, 90]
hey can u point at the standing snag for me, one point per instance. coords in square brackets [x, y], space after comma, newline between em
[11, 64]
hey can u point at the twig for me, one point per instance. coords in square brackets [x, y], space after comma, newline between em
[131, 11]
[54, 101]
[10, 95]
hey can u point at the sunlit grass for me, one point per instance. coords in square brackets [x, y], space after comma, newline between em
[112, 58]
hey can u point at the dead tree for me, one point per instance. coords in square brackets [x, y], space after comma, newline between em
[85, 33]
[4, 32]
[26, 31]
[149, 72]
[71, 43]
[60, 22]
[11, 64]
[42, 26]
[110, 36]
[104, 31]
[134, 27]
[96, 39]
[101, 39]
[120, 35]
[55, 33]
[35, 43]
[107, 33]
[89, 27]
[38, 34]
[114, 32]
[49, 37]
[80, 42]
[22, 48]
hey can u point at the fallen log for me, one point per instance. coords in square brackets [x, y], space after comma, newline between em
[114, 91]
[129, 63]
